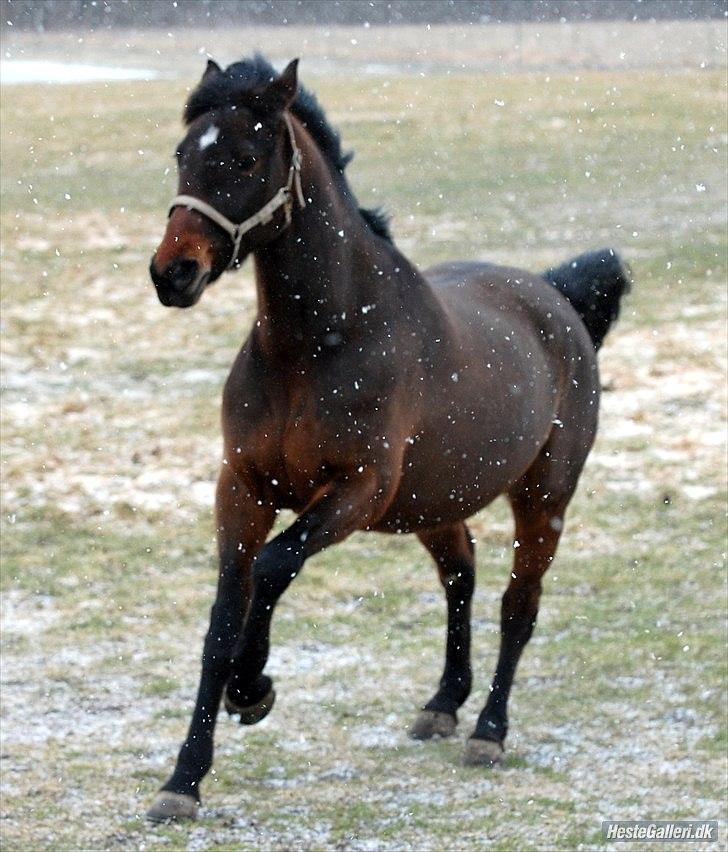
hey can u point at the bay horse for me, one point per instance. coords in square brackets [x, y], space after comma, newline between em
[368, 396]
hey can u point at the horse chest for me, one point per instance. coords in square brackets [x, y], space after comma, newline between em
[296, 443]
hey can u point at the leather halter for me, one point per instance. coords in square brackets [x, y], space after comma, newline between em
[283, 198]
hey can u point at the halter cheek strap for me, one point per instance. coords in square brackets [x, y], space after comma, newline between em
[285, 198]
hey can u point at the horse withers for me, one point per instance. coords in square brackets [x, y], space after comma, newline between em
[367, 396]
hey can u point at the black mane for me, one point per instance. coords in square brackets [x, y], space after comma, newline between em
[220, 90]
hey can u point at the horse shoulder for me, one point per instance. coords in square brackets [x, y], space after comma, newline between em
[249, 422]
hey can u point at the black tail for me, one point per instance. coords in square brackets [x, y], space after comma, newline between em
[594, 283]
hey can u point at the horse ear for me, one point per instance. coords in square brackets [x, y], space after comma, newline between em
[282, 91]
[212, 70]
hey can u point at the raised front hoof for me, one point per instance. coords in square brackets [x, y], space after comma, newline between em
[433, 723]
[253, 713]
[483, 753]
[171, 807]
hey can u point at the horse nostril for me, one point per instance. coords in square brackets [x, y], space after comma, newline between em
[181, 273]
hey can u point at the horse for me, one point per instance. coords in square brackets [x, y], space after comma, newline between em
[368, 396]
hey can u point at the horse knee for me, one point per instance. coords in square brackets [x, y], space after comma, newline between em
[277, 564]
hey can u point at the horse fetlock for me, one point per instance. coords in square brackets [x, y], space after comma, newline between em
[456, 688]
[171, 807]
[493, 726]
[252, 703]
[451, 695]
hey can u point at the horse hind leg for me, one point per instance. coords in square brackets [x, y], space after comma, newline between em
[539, 501]
[452, 549]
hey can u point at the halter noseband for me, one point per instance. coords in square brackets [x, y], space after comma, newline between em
[283, 198]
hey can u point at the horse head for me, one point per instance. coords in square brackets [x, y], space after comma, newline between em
[238, 165]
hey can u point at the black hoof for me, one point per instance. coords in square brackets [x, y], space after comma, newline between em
[486, 753]
[251, 711]
[433, 723]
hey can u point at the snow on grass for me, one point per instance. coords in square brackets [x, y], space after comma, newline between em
[34, 71]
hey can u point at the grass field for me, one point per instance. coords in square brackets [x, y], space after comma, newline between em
[111, 445]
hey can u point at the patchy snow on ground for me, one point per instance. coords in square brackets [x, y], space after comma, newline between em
[14, 72]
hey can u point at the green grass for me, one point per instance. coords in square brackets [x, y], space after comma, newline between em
[111, 444]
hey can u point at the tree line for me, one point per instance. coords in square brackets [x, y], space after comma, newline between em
[44, 15]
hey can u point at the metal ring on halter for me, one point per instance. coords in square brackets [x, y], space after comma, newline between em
[283, 198]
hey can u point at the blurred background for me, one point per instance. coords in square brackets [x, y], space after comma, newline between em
[51, 14]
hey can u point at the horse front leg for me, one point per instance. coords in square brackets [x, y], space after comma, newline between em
[243, 521]
[343, 506]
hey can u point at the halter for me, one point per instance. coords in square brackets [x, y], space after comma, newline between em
[283, 198]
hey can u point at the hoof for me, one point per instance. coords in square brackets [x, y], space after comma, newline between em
[255, 712]
[483, 753]
[168, 807]
[433, 723]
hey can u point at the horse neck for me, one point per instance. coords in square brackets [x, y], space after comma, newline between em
[323, 268]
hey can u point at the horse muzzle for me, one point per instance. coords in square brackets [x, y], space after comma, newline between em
[181, 283]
